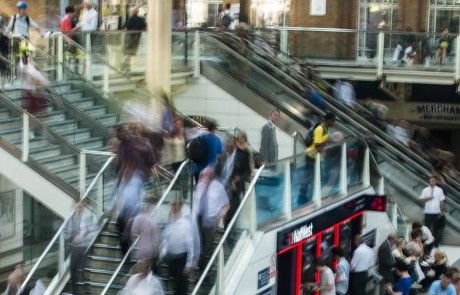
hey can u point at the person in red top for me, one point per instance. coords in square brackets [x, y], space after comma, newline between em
[66, 21]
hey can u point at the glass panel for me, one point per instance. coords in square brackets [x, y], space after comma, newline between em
[269, 191]
[417, 51]
[330, 170]
[355, 161]
[182, 46]
[302, 181]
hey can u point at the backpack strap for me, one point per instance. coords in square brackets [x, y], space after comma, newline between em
[14, 24]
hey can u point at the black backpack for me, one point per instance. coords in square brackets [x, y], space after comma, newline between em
[14, 22]
[310, 133]
[197, 150]
[226, 20]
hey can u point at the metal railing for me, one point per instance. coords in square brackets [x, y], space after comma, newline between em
[59, 233]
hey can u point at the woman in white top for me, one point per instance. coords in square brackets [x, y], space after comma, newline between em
[174, 145]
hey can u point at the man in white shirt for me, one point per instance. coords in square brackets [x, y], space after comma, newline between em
[210, 206]
[20, 22]
[427, 237]
[342, 274]
[433, 198]
[327, 282]
[143, 282]
[363, 259]
[344, 91]
[90, 18]
[178, 240]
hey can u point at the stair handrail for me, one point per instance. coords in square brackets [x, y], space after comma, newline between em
[358, 106]
[248, 194]
[154, 211]
[64, 224]
[338, 111]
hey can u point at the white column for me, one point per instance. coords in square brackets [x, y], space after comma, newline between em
[220, 288]
[60, 57]
[82, 174]
[25, 137]
[317, 181]
[159, 46]
[366, 169]
[196, 55]
[381, 186]
[88, 62]
[380, 53]
[457, 58]
[343, 170]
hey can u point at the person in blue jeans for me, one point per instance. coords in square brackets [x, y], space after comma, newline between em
[403, 284]
[444, 285]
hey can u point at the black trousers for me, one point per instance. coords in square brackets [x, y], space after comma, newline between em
[235, 200]
[176, 265]
[208, 234]
[358, 282]
[432, 222]
[77, 266]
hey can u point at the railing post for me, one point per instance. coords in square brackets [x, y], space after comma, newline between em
[343, 170]
[394, 215]
[284, 40]
[287, 191]
[105, 79]
[366, 168]
[317, 181]
[82, 175]
[380, 53]
[60, 57]
[61, 258]
[220, 272]
[196, 55]
[88, 62]
[457, 58]
[100, 195]
[381, 186]
[25, 137]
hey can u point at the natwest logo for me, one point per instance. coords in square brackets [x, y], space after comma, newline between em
[300, 234]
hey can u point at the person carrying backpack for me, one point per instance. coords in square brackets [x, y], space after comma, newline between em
[226, 18]
[318, 136]
[20, 22]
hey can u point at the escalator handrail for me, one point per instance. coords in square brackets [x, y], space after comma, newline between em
[63, 226]
[154, 211]
[229, 228]
[384, 142]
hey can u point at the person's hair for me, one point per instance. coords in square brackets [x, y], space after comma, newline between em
[240, 133]
[275, 111]
[228, 5]
[400, 241]
[358, 239]
[392, 236]
[211, 125]
[401, 266]
[69, 9]
[416, 225]
[337, 251]
[416, 233]
[319, 261]
[449, 274]
[329, 116]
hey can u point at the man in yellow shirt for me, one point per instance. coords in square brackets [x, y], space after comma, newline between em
[320, 136]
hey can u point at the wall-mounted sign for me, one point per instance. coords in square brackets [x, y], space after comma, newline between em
[318, 7]
[309, 227]
[263, 277]
[370, 238]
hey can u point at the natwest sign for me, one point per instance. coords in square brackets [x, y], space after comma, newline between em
[300, 234]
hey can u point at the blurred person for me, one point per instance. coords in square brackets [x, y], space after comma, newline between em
[90, 18]
[210, 206]
[209, 147]
[342, 273]
[386, 261]
[268, 141]
[226, 17]
[5, 71]
[319, 135]
[403, 283]
[135, 24]
[433, 199]
[34, 91]
[129, 196]
[240, 173]
[143, 282]
[179, 244]
[315, 97]
[67, 25]
[443, 286]
[15, 280]
[362, 260]
[174, 145]
[427, 237]
[225, 161]
[443, 46]
[345, 92]
[403, 46]
[42, 284]
[79, 232]
[326, 284]
[401, 132]
[415, 245]
[20, 23]
[146, 229]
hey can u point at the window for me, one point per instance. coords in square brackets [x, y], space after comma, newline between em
[444, 14]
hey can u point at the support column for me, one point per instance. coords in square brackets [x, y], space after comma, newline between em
[159, 46]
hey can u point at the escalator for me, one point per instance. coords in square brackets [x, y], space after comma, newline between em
[258, 80]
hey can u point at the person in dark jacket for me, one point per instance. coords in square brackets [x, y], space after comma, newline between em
[135, 24]
[269, 144]
[386, 261]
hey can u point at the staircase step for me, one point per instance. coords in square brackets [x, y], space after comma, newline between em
[96, 110]
[108, 120]
[108, 250]
[85, 102]
[10, 122]
[45, 152]
[59, 161]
